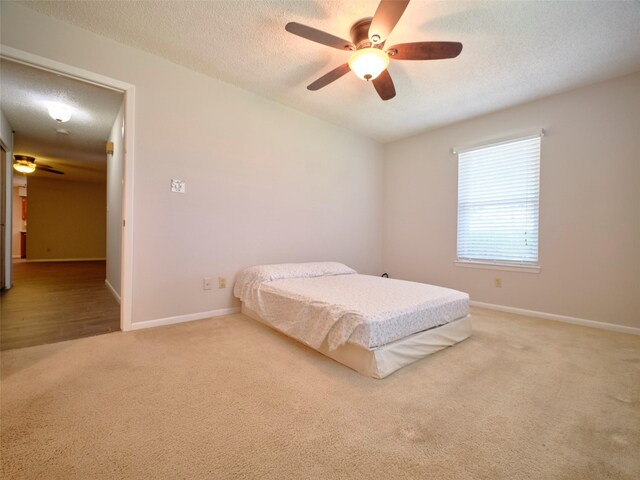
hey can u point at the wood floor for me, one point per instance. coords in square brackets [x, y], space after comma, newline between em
[52, 302]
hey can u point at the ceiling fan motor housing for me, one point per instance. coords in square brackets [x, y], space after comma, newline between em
[360, 34]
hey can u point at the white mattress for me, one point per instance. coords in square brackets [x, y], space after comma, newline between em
[349, 308]
[383, 361]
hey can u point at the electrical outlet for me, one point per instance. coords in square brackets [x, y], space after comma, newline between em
[206, 283]
[222, 282]
[178, 186]
[497, 282]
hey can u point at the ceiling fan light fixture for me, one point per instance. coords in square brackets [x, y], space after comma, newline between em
[368, 63]
[59, 112]
[23, 164]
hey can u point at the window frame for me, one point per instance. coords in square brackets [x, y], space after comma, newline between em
[504, 265]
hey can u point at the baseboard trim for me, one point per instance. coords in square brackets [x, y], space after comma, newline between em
[183, 318]
[558, 318]
[112, 290]
[66, 260]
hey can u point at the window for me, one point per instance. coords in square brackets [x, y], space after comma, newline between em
[498, 197]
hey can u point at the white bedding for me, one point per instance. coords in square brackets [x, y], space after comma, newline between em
[330, 301]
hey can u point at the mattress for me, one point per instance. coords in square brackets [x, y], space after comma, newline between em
[383, 361]
[328, 303]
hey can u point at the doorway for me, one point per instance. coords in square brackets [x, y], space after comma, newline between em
[90, 268]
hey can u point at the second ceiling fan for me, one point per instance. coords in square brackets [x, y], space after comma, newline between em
[27, 164]
[370, 58]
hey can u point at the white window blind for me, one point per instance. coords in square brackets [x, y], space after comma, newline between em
[498, 198]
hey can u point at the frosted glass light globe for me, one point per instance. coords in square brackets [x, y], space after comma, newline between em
[59, 112]
[368, 63]
[24, 166]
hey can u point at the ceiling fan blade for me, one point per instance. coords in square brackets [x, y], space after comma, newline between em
[425, 50]
[327, 78]
[48, 169]
[385, 18]
[384, 85]
[319, 36]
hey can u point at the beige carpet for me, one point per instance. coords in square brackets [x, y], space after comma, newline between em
[229, 398]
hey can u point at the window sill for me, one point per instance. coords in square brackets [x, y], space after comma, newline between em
[498, 266]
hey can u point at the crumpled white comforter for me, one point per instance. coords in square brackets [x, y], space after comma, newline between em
[316, 301]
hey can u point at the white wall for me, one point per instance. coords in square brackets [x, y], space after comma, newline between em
[265, 183]
[589, 205]
[115, 165]
[6, 135]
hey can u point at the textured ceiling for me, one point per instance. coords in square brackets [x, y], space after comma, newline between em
[26, 94]
[513, 52]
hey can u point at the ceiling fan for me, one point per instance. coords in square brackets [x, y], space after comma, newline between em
[27, 164]
[370, 58]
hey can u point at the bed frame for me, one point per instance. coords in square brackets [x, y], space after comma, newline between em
[382, 361]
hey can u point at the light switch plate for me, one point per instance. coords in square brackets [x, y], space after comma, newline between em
[178, 186]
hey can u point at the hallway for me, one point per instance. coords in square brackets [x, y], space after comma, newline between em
[56, 301]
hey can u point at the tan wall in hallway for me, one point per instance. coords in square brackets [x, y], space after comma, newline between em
[66, 220]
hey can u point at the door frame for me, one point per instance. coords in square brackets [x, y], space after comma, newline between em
[5, 209]
[126, 266]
